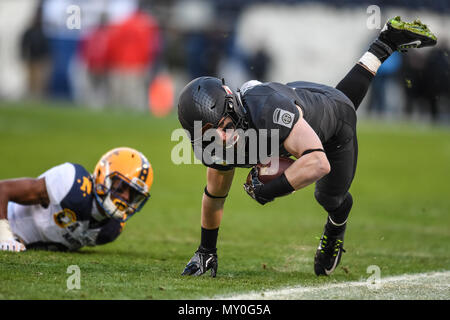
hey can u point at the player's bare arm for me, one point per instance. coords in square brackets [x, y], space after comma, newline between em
[310, 167]
[24, 191]
[216, 191]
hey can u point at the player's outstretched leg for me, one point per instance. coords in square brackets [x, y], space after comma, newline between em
[396, 35]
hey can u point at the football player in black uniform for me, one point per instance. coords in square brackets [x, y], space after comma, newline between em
[315, 123]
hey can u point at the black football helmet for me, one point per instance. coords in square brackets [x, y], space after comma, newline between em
[208, 99]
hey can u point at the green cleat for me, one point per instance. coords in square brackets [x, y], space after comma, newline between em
[400, 35]
[329, 253]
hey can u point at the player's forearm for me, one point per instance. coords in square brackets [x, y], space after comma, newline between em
[3, 202]
[25, 191]
[307, 170]
[3, 208]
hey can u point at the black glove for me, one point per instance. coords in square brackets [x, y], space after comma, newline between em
[202, 261]
[254, 188]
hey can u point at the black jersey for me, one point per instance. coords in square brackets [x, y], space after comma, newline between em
[273, 106]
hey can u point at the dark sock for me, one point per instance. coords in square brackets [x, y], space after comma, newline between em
[337, 219]
[355, 84]
[208, 240]
[335, 230]
[381, 49]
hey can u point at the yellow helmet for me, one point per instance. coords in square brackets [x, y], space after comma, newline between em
[122, 181]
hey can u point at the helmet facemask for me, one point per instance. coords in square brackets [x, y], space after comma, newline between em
[120, 198]
[234, 110]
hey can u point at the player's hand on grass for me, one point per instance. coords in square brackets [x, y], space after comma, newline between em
[201, 262]
[11, 245]
[253, 187]
[7, 241]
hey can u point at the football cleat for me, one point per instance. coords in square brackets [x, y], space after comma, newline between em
[122, 181]
[400, 35]
[201, 262]
[329, 252]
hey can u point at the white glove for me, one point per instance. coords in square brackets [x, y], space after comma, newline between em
[7, 240]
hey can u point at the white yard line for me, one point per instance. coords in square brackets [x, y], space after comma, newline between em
[433, 285]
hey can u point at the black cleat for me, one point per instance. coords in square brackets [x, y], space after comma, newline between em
[400, 35]
[329, 252]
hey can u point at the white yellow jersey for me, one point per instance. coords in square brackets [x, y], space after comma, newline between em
[68, 222]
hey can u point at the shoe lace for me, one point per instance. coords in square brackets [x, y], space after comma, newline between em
[331, 245]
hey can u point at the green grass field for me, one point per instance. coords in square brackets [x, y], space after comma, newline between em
[400, 220]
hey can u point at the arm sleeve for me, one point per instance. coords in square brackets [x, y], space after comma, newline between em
[59, 181]
[109, 232]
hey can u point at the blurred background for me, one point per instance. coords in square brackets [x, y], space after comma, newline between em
[138, 55]
[80, 77]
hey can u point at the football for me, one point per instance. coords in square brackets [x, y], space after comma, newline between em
[273, 169]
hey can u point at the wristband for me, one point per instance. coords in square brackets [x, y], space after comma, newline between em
[276, 188]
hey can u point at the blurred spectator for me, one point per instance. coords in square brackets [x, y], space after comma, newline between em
[133, 48]
[36, 55]
[386, 76]
[63, 43]
[204, 51]
[259, 64]
[427, 80]
[437, 78]
[202, 36]
[94, 55]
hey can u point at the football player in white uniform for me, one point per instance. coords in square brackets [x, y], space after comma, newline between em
[67, 208]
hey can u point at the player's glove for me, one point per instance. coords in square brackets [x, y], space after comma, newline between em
[253, 188]
[202, 261]
[7, 240]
